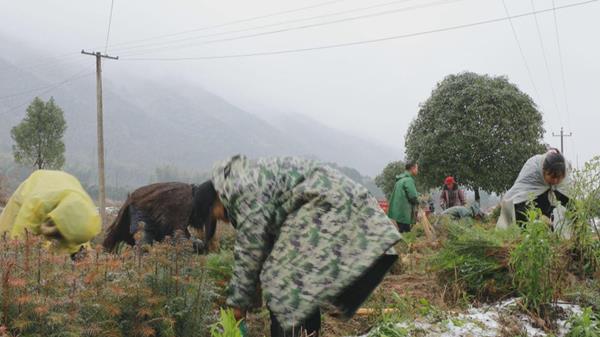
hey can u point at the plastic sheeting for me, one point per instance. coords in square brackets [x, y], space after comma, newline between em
[529, 184]
[56, 196]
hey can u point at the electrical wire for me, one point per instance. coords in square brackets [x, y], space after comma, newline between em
[539, 34]
[360, 9]
[367, 16]
[562, 67]
[229, 23]
[77, 76]
[362, 42]
[514, 32]
[112, 3]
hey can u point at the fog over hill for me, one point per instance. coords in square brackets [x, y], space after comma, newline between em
[151, 124]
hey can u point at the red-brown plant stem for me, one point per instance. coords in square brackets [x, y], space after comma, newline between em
[6, 291]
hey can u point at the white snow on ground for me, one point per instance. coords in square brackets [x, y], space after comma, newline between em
[483, 322]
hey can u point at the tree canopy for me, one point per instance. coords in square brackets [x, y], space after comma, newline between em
[38, 138]
[477, 128]
[387, 179]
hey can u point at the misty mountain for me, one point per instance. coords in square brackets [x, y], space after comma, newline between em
[149, 124]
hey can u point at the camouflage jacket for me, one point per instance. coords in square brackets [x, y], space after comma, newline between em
[305, 230]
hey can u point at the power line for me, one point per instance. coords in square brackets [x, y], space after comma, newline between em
[112, 2]
[59, 58]
[229, 23]
[539, 34]
[360, 17]
[514, 32]
[20, 93]
[52, 87]
[360, 9]
[355, 43]
[562, 67]
[51, 60]
[562, 75]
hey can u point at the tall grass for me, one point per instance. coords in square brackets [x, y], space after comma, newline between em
[533, 263]
[474, 261]
[583, 212]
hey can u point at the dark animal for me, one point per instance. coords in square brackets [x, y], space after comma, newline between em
[164, 208]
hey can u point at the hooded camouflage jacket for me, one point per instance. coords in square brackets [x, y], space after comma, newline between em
[304, 229]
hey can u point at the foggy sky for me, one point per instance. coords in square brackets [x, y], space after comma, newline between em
[371, 90]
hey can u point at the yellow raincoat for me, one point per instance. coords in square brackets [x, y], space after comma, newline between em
[57, 196]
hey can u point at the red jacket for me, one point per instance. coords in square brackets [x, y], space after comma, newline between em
[450, 198]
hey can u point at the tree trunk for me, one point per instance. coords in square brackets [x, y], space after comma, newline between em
[477, 197]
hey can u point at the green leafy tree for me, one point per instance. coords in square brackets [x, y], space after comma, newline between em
[38, 138]
[387, 179]
[477, 128]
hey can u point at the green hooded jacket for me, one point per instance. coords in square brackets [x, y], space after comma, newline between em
[404, 200]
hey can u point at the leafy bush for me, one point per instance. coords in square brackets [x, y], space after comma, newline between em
[532, 262]
[583, 211]
[586, 294]
[220, 266]
[585, 325]
[227, 326]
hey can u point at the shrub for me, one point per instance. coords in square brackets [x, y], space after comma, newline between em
[584, 325]
[227, 326]
[584, 208]
[532, 262]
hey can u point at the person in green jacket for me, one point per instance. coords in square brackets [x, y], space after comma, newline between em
[404, 200]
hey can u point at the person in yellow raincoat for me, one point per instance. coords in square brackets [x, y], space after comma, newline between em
[55, 205]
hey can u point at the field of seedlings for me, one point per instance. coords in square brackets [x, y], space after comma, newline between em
[471, 280]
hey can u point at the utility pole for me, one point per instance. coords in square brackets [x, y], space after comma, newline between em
[562, 135]
[100, 131]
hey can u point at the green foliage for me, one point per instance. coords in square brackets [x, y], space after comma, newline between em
[387, 179]
[227, 326]
[477, 128]
[389, 329]
[474, 261]
[585, 325]
[532, 262]
[585, 294]
[582, 213]
[165, 292]
[220, 266]
[38, 138]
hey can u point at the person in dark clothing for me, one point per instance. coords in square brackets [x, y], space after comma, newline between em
[542, 202]
[451, 195]
[544, 180]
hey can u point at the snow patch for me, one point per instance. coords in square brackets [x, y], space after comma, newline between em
[483, 321]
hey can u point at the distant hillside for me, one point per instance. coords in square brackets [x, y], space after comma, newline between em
[148, 125]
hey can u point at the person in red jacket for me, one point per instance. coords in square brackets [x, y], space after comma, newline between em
[451, 195]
